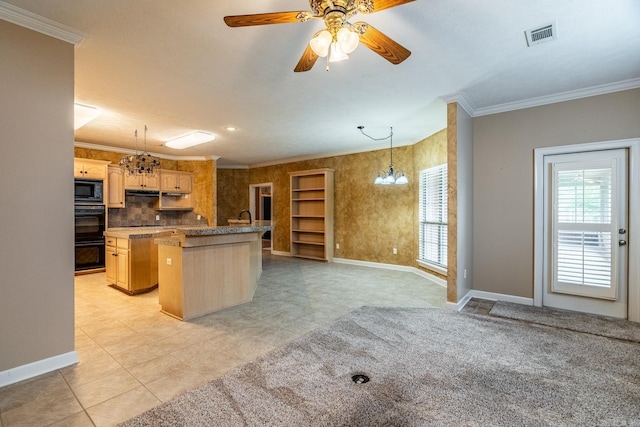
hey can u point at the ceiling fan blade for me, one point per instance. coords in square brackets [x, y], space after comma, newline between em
[383, 45]
[307, 60]
[263, 19]
[379, 5]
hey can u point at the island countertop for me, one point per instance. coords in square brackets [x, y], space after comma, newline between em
[137, 232]
[225, 229]
[182, 233]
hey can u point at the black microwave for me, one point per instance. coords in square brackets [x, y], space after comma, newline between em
[88, 191]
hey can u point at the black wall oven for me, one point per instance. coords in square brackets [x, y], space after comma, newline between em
[89, 236]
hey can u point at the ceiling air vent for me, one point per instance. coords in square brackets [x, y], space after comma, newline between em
[546, 33]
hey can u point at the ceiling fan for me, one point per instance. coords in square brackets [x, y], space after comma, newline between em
[340, 36]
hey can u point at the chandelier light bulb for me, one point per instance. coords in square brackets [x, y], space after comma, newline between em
[402, 179]
[320, 43]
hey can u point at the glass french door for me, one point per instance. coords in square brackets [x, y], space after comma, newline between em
[586, 232]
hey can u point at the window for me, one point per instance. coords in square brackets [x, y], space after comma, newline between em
[433, 217]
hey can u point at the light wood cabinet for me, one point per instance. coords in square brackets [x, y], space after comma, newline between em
[111, 267]
[142, 182]
[312, 214]
[132, 264]
[90, 169]
[175, 202]
[115, 192]
[176, 182]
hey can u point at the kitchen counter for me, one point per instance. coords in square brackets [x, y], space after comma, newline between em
[181, 235]
[206, 269]
[137, 232]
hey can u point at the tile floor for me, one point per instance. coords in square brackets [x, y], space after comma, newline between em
[132, 357]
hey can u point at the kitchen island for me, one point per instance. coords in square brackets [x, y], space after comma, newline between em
[206, 269]
[131, 259]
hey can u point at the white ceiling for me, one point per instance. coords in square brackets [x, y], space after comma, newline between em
[177, 67]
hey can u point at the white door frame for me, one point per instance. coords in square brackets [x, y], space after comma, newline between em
[634, 215]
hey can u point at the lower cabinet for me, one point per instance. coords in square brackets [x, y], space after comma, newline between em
[132, 264]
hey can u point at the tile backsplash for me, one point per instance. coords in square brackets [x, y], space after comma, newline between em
[140, 211]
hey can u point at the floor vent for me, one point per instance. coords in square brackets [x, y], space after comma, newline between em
[543, 34]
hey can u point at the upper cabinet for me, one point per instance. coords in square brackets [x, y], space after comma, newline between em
[91, 169]
[142, 182]
[176, 182]
[115, 194]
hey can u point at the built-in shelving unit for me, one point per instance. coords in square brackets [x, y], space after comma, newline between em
[312, 214]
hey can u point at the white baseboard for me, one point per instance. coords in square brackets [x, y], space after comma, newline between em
[452, 306]
[40, 367]
[395, 267]
[491, 296]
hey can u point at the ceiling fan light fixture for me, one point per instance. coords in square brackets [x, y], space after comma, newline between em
[190, 140]
[320, 43]
[347, 40]
[336, 53]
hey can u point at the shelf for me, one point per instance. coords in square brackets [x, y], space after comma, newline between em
[310, 257]
[300, 242]
[312, 214]
[307, 189]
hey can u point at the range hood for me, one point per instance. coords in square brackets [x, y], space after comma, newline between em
[144, 193]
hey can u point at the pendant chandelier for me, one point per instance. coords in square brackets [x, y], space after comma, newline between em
[388, 177]
[140, 163]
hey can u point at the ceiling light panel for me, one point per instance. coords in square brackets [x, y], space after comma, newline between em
[83, 114]
[190, 140]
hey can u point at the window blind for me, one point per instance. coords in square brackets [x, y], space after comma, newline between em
[433, 216]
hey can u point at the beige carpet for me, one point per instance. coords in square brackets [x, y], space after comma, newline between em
[565, 319]
[426, 367]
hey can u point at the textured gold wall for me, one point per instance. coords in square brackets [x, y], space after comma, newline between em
[233, 193]
[428, 153]
[452, 203]
[204, 177]
[370, 220]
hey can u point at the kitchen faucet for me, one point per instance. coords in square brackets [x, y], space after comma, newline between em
[240, 215]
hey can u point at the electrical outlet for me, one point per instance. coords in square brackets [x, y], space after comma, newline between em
[169, 261]
[157, 217]
[198, 217]
[337, 245]
[465, 273]
[395, 251]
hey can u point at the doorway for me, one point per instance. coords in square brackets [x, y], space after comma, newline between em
[261, 207]
[584, 211]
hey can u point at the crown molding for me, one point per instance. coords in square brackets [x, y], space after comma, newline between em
[560, 97]
[40, 24]
[129, 151]
[463, 100]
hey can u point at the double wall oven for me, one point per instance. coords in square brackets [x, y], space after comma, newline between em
[90, 218]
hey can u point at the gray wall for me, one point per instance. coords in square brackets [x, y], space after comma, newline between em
[503, 177]
[465, 202]
[36, 184]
